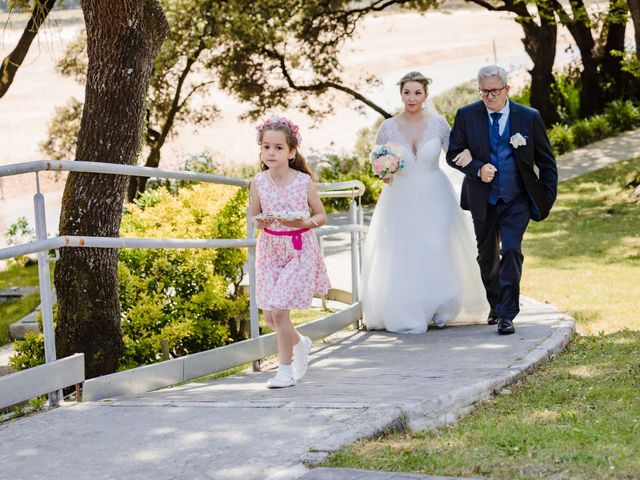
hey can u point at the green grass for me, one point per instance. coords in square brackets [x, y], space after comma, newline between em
[19, 276]
[585, 258]
[13, 311]
[300, 317]
[577, 417]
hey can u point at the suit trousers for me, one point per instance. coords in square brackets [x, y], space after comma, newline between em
[499, 240]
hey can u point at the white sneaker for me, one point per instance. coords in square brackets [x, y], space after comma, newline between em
[281, 380]
[301, 357]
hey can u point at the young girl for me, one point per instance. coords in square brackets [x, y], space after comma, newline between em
[289, 267]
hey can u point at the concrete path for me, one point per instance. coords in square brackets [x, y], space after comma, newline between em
[358, 385]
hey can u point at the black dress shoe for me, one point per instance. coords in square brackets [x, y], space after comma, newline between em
[505, 326]
[492, 319]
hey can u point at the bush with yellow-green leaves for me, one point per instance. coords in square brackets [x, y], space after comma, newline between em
[187, 298]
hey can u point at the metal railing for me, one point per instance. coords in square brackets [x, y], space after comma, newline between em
[43, 244]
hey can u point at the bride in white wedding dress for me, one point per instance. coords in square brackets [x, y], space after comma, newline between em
[419, 264]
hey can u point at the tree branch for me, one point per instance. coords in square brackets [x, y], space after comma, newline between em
[13, 61]
[325, 85]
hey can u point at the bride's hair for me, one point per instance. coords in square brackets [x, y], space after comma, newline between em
[415, 77]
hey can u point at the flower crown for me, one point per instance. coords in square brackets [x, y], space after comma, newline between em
[274, 120]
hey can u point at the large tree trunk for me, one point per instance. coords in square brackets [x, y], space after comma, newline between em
[615, 26]
[579, 25]
[123, 37]
[540, 44]
[634, 8]
[12, 62]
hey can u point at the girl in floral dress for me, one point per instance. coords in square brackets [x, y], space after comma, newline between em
[289, 267]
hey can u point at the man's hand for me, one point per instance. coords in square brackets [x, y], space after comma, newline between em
[463, 158]
[487, 172]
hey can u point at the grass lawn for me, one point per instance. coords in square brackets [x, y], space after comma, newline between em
[585, 258]
[577, 417]
[18, 276]
[13, 311]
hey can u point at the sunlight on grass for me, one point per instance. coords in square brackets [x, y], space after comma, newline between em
[556, 424]
[577, 417]
[585, 258]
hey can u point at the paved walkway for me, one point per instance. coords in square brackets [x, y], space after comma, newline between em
[359, 384]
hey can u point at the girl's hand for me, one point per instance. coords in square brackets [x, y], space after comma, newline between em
[296, 223]
[388, 180]
[263, 222]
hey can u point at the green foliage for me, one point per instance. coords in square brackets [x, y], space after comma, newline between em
[619, 116]
[523, 96]
[450, 100]
[189, 298]
[623, 114]
[28, 352]
[63, 130]
[566, 95]
[17, 233]
[561, 138]
[336, 169]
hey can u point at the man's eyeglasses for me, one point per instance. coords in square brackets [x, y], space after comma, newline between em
[494, 92]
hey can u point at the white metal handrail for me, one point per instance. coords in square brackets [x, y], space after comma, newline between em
[42, 245]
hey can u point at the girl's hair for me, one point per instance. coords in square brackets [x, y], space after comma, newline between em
[290, 130]
[415, 77]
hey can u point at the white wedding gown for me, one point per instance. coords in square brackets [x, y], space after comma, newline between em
[419, 264]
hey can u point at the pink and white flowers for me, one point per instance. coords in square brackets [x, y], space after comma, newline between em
[386, 160]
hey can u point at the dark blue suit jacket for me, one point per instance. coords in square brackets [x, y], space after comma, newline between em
[471, 130]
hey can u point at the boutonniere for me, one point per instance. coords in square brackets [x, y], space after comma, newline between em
[518, 140]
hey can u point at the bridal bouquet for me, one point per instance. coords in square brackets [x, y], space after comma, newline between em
[386, 160]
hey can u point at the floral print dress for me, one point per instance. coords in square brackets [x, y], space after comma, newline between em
[287, 278]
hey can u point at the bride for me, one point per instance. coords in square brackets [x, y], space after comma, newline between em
[419, 261]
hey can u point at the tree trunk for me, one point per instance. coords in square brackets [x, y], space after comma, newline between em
[123, 37]
[14, 60]
[615, 26]
[540, 44]
[634, 8]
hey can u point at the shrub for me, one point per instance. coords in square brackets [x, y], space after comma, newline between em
[582, 133]
[337, 169]
[601, 127]
[561, 138]
[566, 95]
[28, 352]
[450, 100]
[623, 114]
[188, 298]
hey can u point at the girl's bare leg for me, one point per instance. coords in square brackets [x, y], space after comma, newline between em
[286, 335]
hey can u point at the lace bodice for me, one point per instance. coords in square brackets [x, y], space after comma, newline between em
[434, 139]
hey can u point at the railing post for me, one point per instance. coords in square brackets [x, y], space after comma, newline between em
[45, 288]
[355, 271]
[360, 238]
[251, 267]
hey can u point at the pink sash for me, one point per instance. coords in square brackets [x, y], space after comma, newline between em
[296, 236]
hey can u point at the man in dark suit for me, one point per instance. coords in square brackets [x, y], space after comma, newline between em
[508, 142]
